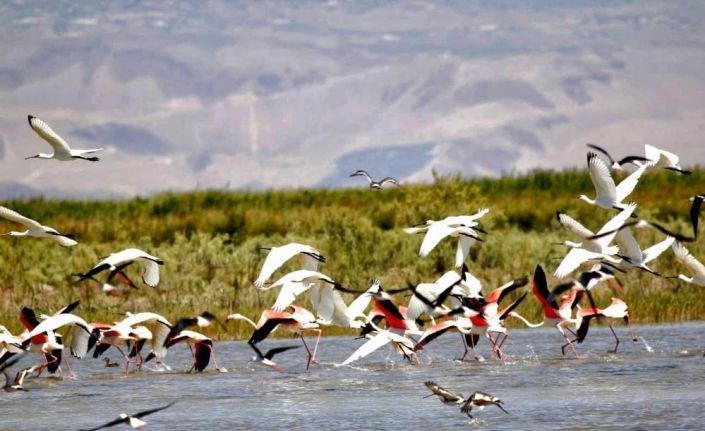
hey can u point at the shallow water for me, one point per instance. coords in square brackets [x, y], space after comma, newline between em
[634, 389]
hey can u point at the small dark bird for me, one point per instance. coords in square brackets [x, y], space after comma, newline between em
[132, 420]
[266, 359]
[375, 185]
[109, 364]
[481, 399]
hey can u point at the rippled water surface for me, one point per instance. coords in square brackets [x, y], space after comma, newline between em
[634, 389]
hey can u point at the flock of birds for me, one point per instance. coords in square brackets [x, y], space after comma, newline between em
[455, 302]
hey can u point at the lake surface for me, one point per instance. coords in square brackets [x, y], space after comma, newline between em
[634, 389]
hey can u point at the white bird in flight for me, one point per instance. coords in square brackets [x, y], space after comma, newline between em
[607, 194]
[278, 256]
[62, 151]
[34, 228]
[462, 227]
[295, 283]
[116, 262]
[633, 256]
[375, 185]
[664, 159]
[590, 249]
[697, 268]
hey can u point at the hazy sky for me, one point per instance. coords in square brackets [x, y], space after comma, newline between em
[253, 95]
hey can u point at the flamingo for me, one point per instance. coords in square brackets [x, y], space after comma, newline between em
[375, 185]
[298, 321]
[462, 227]
[664, 159]
[35, 229]
[616, 310]
[697, 268]
[125, 331]
[609, 195]
[134, 420]
[62, 151]
[558, 315]
[201, 351]
[295, 283]
[117, 262]
[590, 249]
[402, 344]
[278, 256]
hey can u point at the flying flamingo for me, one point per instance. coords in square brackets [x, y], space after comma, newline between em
[616, 310]
[201, 351]
[298, 321]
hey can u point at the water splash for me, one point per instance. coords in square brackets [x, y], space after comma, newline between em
[646, 345]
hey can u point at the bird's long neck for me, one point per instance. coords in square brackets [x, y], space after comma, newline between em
[586, 199]
[248, 320]
[572, 244]
[526, 322]
[15, 233]
[685, 278]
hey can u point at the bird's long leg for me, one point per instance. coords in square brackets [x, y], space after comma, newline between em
[215, 361]
[53, 360]
[504, 338]
[141, 361]
[496, 349]
[568, 342]
[472, 344]
[616, 345]
[308, 351]
[68, 365]
[127, 359]
[465, 346]
[193, 356]
[314, 360]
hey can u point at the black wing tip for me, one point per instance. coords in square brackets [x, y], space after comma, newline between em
[30, 117]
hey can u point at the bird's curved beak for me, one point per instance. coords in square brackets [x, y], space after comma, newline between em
[31, 157]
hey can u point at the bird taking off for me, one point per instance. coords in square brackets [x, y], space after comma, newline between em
[375, 185]
[62, 151]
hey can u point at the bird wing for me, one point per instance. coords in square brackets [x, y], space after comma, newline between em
[358, 305]
[610, 229]
[695, 213]
[499, 293]
[64, 241]
[80, 339]
[364, 173]
[289, 292]
[655, 250]
[691, 262]
[652, 153]
[150, 411]
[370, 346]
[45, 132]
[464, 244]
[626, 186]
[150, 272]
[327, 300]
[55, 322]
[417, 306]
[275, 351]
[109, 424]
[388, 180]
[573, 226]
[627, 245]
[435, 233]
[278, 256]
[18, 218]
[602, 152]
[572, 260]
[159, 339]
[601, 178]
